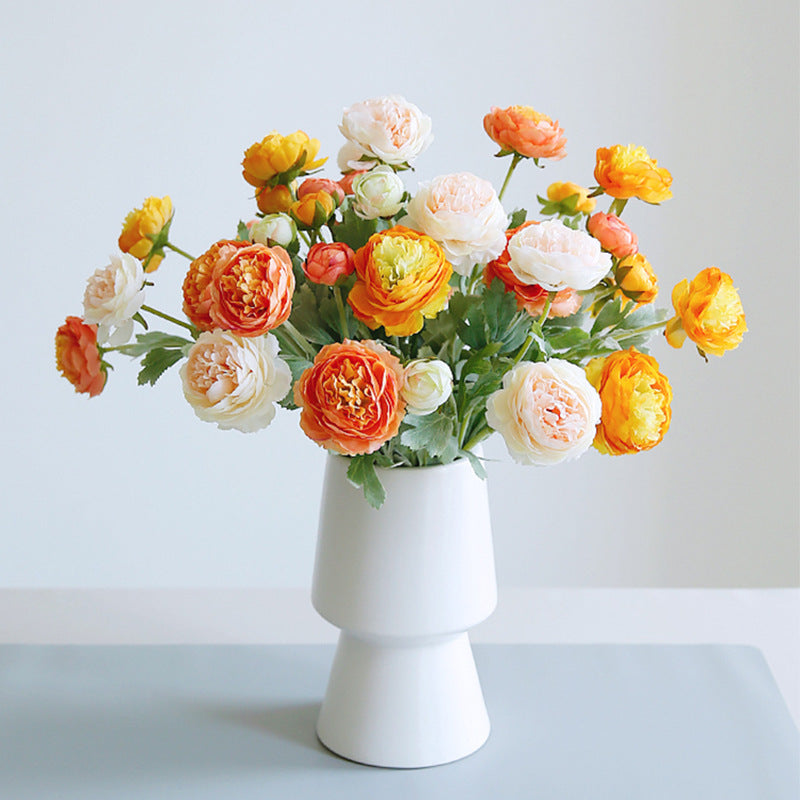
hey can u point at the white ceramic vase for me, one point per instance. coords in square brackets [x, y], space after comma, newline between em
[404, 584]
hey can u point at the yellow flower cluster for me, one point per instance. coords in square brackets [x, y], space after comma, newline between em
[141, 226]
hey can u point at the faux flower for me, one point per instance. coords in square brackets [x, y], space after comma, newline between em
[636, 279]
[275, 155]
[403, 277]
[521, 130]
[428, 383]
[327, 185]
[313, 209]
[113, 295]
[387, 129]
[350, 398]
[530, 296]
[613, 234]
[546, 412]
[707, 310]
[142, 223]
[276, 200]
[377, 193]
[234, 381]
[327, 262]
[463, 214]
[273, 229]
[242, 287]
[346, 181]
[636, 401]
[558, 192]
[625, 172]
[555, 257]
[77, 356]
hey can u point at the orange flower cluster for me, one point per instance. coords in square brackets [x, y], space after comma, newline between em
[625, 172]
[143, 223]
[521, 130]
[78, 358]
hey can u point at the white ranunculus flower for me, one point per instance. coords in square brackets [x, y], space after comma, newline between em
[114, 294]
[387, 129]
[546, 412]
[463, 214]
[556, 257]
[274, 229]
[427, 384]
[234, 381]
[378, 193]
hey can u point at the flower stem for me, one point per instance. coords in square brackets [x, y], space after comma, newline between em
[304, 236]
[157, 313]
[617, 206]
[300, 339]
[546, 310]
[178, 250]
[337, 294]
[515, 159]
[636, 331]
[525, 345]
[477, 437]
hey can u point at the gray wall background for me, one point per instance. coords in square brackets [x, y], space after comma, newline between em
[105, 104]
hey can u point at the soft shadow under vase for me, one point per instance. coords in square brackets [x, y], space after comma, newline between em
[404, 584]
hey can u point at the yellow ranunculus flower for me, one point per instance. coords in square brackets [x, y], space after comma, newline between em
[636, 279]
[707, 310]
[625, 172]
[142, 222]
[275, 154]
[556, 192]
[276, 200]
[403, 276]
[636, 401]
[306, 210]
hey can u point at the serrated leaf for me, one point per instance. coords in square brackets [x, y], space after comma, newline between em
[610, 314]
[306, 318]
[361, 473]
[352, 230]
[153, 339]
[156, 363]
[432, 433]
[518, 216]
[566, 339]
[242, 233]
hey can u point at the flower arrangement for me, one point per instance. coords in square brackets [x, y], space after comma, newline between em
[406, 328]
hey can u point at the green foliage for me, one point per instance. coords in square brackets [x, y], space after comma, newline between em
[156, 363]
[433, 433]
[352, 230]
[154, 339]
[242, 234]
[518, 216]
[361, 473]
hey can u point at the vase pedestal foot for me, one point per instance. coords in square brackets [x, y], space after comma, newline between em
[403, 703]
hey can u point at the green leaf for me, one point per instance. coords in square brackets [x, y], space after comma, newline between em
[242, 234]
[566, 339]
[518, 216]
[609, 315]
[353, 230]
[361, 473]
[477, 464]
[146, 342]
[156, 363]
[432, 432]
[306, 317]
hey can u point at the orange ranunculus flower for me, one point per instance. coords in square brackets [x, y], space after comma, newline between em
[313, 209]
[636, 401]
[78, 358]
[556, 192]
[527, 132]
[141, 223]
[531, 297]
[625, 172]
[707, 310]
[276, 200]
[241, 287]
[327, 185]
[350, 398]
[402, 277]
[636, 279]
[276, 154]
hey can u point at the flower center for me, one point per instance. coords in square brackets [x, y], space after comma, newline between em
[350, 390]
[211, 369]
[558, 411]
[396, 258]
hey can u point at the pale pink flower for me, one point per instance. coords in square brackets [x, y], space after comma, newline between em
[613, 234]
[114, 294]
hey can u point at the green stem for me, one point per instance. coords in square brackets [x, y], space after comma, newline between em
[157, 313]
[304, 236]
[515, 159]
[617, 206]
[300, 339]
[546, 310]
[462, 432]
[337, 294]
[178, 250]
[524, 349]
[636, 331]
[477, 437]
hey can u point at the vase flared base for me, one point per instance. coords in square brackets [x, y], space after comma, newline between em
[403, 704]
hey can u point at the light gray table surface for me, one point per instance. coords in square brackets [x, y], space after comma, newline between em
[588, 722]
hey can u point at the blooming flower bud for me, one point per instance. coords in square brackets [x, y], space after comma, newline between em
[332, 188]
[613, 234]
[428, 384]
[274, 229]
[378, 193]
[326, 263]
[558, 192]
[636, 279]
[276, 200]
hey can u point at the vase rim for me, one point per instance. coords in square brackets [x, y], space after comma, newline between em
[457, 462]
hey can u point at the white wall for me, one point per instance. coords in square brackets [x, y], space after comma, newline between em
[105, 104]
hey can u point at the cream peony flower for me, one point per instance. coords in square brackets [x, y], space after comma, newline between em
[114, 294]
[463, 214]
[378, 193]
[546, 412]
[555, 257]
[274, 229]
[427, 384]
[387, 129]
[234, 381]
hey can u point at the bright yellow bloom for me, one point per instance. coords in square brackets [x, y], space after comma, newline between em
[276, 154]
[636, 401]
[707, 310]
[141, 223]
[636, 279]
[556, 192]
[307, 211]
[402, 277]
[275, 200]
[625, 172]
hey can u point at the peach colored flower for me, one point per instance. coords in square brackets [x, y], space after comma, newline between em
[310, 185]
[531, 297]
[547, 412]
[77, 356]
[462, 213]
[114, 294]
[522, 130]
[326, 263]
[628, 171]
[613, 234]
[350, 398]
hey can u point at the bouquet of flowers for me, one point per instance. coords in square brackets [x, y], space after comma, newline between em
[406, 328]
